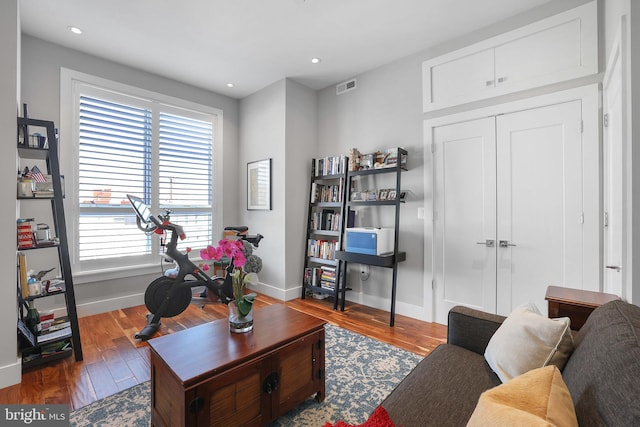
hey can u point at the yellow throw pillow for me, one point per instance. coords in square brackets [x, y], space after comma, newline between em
[528, 340]
[537, 398]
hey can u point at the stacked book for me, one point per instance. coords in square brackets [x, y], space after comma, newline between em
[324, 277]
[328, 277]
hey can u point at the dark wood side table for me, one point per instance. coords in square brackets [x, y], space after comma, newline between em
[208, 376]
[576, 304]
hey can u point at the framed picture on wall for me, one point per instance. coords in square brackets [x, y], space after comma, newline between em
[259, 185]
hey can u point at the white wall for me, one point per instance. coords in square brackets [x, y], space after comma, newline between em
[10, 367]
[41, 91]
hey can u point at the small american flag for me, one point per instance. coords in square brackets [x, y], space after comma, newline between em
[36, 175]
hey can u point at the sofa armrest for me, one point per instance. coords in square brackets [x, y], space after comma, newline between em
[472, 329]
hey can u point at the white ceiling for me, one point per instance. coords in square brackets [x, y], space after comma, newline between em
[253, 43]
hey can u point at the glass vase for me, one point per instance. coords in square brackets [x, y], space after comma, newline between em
[237, 322]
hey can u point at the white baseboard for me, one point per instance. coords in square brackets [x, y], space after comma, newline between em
[11, 374]
[103, 306]
[410, 310]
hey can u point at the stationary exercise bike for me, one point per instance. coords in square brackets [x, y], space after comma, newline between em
[171, 294]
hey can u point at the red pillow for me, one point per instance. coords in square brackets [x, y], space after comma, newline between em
[379, 418]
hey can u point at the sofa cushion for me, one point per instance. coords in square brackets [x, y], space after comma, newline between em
[442, 390]
[603, 373]
[536, 398]
[527, 340]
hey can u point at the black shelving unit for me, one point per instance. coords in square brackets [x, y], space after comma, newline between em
[390, 260]
[48, 152]
[327, 197]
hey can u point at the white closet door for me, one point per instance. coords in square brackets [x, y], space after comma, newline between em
[539, 203]
[464, 173]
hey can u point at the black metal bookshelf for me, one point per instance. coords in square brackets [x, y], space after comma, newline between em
[388, 260]
[68, 343]
[325, 227]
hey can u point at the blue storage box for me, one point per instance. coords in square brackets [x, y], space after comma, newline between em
[370, 240]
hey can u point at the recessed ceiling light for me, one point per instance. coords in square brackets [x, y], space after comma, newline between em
[230, 85]
[74, 30]
[315, 60]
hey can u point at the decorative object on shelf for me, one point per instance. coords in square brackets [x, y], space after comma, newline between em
[387, 158]
[259, 185]
[32, 318]
[246, 266]
[25, 233]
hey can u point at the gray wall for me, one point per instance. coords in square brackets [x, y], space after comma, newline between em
[10, 368]
[262, 136]
[41, 91]
[279, 122]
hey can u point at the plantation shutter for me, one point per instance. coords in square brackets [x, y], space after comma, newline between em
[114, 160]
[145, 149]
[185, 174]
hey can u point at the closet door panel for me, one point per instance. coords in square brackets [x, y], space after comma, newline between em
[530, 61]
[539, 203]
[460, 79]
[464, 212]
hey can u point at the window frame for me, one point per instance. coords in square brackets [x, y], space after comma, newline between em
[72, 84]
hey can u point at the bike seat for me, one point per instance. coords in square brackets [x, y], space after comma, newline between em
[237, 228]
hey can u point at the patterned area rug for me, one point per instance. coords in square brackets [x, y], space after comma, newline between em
[361, 372]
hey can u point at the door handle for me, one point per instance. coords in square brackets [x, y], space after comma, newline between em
[506, 244]
[487, 243]
[614, 267]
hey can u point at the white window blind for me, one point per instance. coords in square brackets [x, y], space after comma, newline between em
[158, 152]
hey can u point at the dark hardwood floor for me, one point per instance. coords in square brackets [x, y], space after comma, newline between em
[114, 360]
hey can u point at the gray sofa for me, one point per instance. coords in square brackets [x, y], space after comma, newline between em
[602, 374]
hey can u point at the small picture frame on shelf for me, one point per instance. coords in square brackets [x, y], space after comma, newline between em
[391, 195]
[372, 195]
[357, 196]
[382, 194]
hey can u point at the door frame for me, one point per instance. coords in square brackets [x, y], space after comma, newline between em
[619, 57]
[590, 96]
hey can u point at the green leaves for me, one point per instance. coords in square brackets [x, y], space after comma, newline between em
[245, 303]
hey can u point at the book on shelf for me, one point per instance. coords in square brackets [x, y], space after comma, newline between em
[26, 334]
[50, 325]
[54, 335]
[326, 193]
[333, 165]
[22, 267]
[324, 249]
[320, 277]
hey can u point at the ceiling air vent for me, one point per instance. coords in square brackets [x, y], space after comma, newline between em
[345, 86]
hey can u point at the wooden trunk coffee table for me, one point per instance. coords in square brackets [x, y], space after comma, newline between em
[208, 376]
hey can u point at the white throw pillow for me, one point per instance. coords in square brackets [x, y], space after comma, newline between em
[527, 340]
